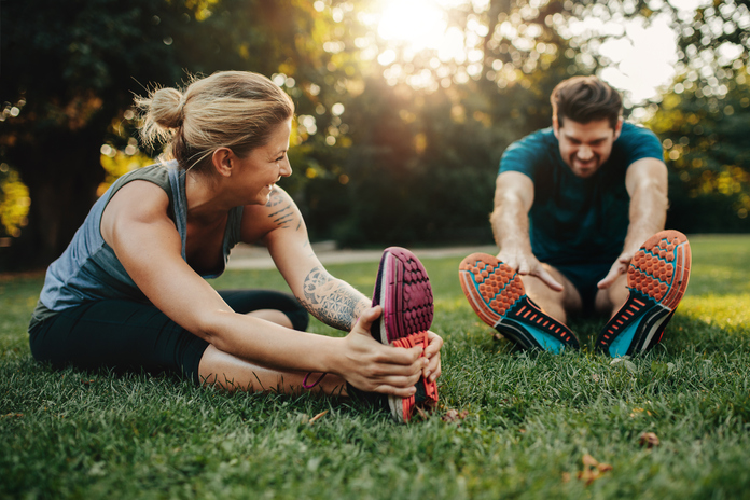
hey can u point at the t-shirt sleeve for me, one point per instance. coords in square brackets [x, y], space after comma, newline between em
[637, 142]
[523, 156]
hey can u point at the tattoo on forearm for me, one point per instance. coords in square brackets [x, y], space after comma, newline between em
[310, 251]
[330, 300]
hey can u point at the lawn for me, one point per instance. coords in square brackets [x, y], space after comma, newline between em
[510, 424]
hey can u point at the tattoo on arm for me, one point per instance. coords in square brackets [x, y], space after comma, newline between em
[332, 301]
[284, 211]
[283, 216]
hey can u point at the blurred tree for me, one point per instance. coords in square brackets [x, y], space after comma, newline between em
[394, 143]
[705, 118]
[69, 77]
[709, 162]
[429, 129]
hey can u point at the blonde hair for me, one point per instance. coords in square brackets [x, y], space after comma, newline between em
[229, 109]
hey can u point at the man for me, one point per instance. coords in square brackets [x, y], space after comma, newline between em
[574, 205]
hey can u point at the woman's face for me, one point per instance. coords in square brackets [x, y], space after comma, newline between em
[262, 168]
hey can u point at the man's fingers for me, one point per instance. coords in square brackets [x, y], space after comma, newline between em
[523, 268]
[617, 269]
[608, 280]
[548, 280]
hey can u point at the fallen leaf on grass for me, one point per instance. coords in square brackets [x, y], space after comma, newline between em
[316, 417]
[649, 439]
[497, 335]
[589, 461]
[592, 470]
[629, 365]
[13, 415]
[453, 415]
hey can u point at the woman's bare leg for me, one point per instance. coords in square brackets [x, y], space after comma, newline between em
[232, 373]
[272, 315]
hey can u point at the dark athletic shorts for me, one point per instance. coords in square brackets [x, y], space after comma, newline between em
[125, 335]
[584, 278]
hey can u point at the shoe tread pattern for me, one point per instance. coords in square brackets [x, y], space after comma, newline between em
[410, 305]
[498, 297]
[403, 287]
[658, 276]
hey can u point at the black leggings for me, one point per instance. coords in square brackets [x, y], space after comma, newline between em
[125, 335]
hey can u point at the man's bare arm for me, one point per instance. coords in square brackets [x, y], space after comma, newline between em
[514, 195]
[646, 183]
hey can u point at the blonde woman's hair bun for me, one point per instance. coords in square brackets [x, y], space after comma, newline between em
[161, 113]
[229, 109]
[167, 107]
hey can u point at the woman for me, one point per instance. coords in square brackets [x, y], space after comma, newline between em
[130, 290]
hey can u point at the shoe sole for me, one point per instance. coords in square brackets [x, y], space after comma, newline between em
[658, 276]
[498, 297]
[426, 396]
[403, 289]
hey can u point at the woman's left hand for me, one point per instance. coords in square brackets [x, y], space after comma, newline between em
[433, 369]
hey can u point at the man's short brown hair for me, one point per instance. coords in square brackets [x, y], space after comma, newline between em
[585, 99]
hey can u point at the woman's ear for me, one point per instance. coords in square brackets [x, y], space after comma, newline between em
[222, 161]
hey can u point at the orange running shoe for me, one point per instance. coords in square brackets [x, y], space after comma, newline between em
[658, 276]
[497, 295]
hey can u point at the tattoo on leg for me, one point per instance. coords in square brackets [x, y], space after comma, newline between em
[331, 300]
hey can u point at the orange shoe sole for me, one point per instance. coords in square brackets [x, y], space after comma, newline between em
[497, 295]
[658, 276]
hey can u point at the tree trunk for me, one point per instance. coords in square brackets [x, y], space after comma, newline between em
[62, 172]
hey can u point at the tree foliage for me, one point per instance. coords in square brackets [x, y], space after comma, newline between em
[392, 145]
[70, 75]
[705, 137]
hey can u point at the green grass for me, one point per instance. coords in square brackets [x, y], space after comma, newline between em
[528, 418]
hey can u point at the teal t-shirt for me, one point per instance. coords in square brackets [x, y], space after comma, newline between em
[574, 220]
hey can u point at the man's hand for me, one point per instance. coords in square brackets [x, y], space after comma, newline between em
[619, 268]
[526, 264]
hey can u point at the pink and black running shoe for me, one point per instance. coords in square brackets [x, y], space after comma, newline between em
[497, 295]
[403, 290]
[658, 276]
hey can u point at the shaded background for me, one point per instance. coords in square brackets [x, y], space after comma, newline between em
[392, 145]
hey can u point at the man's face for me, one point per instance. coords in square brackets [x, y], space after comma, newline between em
[585, 147]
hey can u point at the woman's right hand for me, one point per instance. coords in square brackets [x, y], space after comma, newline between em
[371, 366]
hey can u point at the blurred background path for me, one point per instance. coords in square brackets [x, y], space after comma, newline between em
[254, 257]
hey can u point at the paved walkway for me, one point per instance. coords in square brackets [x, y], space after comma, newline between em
[253, 257]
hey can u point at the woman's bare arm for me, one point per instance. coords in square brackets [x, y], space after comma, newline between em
[147, 243]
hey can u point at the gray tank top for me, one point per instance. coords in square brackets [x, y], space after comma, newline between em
[88, 270]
